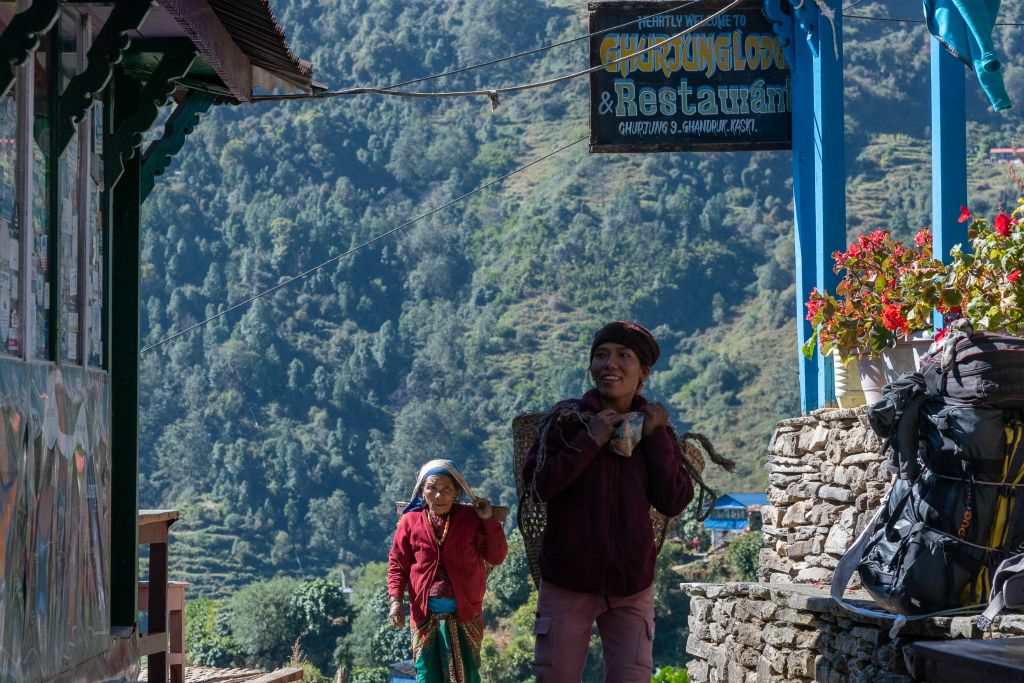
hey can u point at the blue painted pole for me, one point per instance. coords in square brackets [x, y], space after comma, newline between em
[829, 166]
[949, 153]
[801, 89]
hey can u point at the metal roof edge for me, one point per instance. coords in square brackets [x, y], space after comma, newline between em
[201, 24]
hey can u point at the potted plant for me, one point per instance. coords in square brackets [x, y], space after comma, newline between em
[986, 283]
[887, 292]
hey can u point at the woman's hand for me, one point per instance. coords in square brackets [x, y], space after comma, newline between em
[396, 614]
[655, 415]
[483, 507]
[602, 425]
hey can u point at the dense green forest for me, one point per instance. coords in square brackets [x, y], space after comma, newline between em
[285, 432]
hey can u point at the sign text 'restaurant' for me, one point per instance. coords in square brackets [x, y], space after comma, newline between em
[725, 86]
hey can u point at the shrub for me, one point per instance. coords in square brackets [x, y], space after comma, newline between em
[743, 552]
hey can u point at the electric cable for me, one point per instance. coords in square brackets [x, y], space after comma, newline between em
[890, 19]
[359, 246]
[492, 93]
[542, 48]
[915, 21]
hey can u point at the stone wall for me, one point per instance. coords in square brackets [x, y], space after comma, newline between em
[825, 481]
[793, 633]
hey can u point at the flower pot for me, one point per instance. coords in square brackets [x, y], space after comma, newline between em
[875, 373]
[849, 393]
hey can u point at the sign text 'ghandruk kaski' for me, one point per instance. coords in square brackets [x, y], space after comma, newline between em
[723, 86]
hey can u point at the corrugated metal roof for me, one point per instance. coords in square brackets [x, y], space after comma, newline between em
[741, 500]
[254, 28]
[725, 524]
[241, 41]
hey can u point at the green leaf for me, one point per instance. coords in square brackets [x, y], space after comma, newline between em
[951, 297]
[807, 348]
[880, 283]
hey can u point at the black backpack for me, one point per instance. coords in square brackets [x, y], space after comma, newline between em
[957, 508]
[982, 369]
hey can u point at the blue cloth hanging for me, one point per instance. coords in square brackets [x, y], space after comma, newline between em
[964, 27]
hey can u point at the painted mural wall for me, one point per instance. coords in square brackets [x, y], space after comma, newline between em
[54, 518]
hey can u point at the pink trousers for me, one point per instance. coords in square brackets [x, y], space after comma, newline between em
[563, 625]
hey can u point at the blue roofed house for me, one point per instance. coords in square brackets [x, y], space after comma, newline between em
[402, 672]
[734, 513]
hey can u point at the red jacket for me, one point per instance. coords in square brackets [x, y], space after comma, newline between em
[414, 558]
[598, 537]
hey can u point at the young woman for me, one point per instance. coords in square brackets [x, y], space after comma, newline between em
[438, 554]
[600, 472]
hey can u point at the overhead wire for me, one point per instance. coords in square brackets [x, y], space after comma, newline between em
[897, 20]
[493, 93]
[542, 48]
[490, 93]
[361, 245]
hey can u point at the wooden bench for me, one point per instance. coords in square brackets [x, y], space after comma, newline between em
[999, 660]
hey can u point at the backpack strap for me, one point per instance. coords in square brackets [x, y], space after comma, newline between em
[1004, 580]
[848, 565]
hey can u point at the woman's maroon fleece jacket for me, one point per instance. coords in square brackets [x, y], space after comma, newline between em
[599, 537]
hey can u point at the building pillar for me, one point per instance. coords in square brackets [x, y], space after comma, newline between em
[949, 153]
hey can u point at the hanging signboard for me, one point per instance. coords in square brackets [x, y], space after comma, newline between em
[721, 86]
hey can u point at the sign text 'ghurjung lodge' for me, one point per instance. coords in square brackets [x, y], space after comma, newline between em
[724, 86]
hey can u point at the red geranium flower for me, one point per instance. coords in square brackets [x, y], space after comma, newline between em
[923, 237]
[812, 308]
[892, 319]
[1013, 277]
[939, 334]
[1002, 224]
[965, 215]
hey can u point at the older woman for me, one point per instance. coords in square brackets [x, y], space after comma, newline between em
[438, 553]
[600, 463]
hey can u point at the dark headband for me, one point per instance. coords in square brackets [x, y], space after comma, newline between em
[631, 335]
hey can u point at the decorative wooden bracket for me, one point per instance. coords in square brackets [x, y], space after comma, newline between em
[106, 51]
[808, 15]
[181, 123]
[125, 141]
[804, 13]
[22, 36]
[780, 13]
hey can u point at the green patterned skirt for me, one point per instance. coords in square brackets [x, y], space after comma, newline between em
[445, 650]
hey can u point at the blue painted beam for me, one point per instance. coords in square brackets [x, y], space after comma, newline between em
[949, 153]
[826, 42]
[804, 238]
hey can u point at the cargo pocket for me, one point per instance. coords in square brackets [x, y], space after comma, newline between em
[543, 650]
[645, 644]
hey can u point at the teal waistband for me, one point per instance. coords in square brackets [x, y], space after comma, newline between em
[440, 605]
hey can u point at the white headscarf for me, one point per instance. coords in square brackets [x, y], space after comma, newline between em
[430, 469]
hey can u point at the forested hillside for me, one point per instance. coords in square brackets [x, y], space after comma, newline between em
[285, 432]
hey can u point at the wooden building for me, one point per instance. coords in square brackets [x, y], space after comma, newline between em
[80, 83]
[734, 513]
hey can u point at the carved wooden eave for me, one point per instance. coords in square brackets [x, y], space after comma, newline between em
[242, 42]
[204, 28]
[240, 46]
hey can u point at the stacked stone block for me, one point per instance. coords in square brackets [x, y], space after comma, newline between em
[794, 633]
[825, 481]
